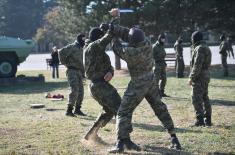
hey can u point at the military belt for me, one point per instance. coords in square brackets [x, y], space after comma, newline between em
[97, 80]
[72, 67]
[144, 76]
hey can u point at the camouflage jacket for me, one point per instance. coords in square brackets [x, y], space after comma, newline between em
[201, 61]
[178, 49]
[223, 48]
[72, 56]
[159, 54]
[97, 62]
[139, 57]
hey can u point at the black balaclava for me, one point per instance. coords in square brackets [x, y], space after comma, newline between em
[222, 37]
[95, 33]
[104, 27]
[135, 36]
[80, 40]
[196, 37]
[160, 37]
[180, 40]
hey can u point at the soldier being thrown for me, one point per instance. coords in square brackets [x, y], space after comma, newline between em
[139, 58]
[72, 57]
[199, 79]
[99, 71]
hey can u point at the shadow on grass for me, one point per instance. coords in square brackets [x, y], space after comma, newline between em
[54, 109]
[33, 88]
[219, 153]
[163, 150]
[159, 128]
[177, 98]
[216, 72]
[222, 102]
[222, 86]
[89, 118]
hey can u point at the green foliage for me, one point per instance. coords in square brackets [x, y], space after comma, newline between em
[20, 18]
[178, 17]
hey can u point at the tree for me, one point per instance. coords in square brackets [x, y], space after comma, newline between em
[21, 17]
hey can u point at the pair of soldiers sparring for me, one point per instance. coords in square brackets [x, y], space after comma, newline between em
[139, 58]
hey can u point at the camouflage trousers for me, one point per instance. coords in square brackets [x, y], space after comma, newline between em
[224, 64]
[75, 81]
[160, 77]
[179, 64]
[200, 99]
[107, 96]
[138, 90]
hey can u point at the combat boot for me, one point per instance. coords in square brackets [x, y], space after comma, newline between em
[69, 112]
[175, 144]
[199, 121]
[162, 92]
[208, 121]
[124, 144]
[78, 111]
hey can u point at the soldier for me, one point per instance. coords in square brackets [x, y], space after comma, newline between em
[179, 58]
[223, 49]
[199, 79]
[159, 55]
[72, 57]
[230, 46]
[139, 58]
[99, 70]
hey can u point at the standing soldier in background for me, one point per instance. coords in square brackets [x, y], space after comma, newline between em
[230, 46]
[179, 58]
[72, 57]
[199, 79]
[223, 50]
[55, 62]
[99, 71]
[159, 55]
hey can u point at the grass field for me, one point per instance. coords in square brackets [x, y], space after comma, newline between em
[49, 131]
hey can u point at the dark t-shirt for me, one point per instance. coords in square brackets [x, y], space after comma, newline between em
[55, 58]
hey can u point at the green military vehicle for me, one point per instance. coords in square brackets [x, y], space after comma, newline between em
[13, 51]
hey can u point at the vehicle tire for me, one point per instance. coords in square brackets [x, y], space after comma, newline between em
[8, 68]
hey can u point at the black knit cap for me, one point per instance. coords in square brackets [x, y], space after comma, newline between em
[80, 36]
[161, 36]
[196, 37]
[104, 27]
[95, 33]
[222, 37]
[136, 35]
[79, 39]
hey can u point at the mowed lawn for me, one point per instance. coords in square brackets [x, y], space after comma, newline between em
[48, 131]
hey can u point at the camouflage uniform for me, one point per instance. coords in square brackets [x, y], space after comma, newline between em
[179, 59]
[72, 57]
[97, 64]
[230, 47]
[142, 85]
[200, 76]
[159, 55]
[223, 51]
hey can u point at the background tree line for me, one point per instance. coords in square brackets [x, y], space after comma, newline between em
[60, 20]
